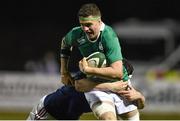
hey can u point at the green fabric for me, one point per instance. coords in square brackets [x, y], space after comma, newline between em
[89, 19]
[108, 43]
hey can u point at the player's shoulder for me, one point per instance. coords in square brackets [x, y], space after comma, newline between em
[77, 28]
[75, 32]
[108, 29]
[108, 33]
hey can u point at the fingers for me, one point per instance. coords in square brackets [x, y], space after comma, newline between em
[123, 92]
[83, 64]
[128, 87]
[121, 84]
[84, 59]
[124, 85]
[81, 67]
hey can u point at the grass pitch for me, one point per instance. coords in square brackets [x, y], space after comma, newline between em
[90, 116]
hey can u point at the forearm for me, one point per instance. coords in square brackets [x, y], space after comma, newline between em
[64, 65]
[114, 71]
[103, 86]
[85, 85]
[112, 86]
[65, 55]
[106, 72]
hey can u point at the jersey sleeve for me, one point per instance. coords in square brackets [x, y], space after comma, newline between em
[68, 38]
[66, 45]
[112, 47]
[113, 50]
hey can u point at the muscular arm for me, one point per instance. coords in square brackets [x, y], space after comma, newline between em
[119, 87]
[114, 71]
[85, 85]
[111, 86]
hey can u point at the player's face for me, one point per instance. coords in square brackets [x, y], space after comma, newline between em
[91, 27]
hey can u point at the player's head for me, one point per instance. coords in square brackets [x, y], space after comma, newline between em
[90, 20]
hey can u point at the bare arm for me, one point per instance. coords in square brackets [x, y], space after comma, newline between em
[119, 87]
[65, 74]
[85, 85]
[111, 86]
[65, 55]
[114, 71]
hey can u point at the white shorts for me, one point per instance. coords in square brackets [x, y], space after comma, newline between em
[121, 104]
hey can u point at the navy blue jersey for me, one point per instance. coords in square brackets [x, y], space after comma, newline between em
[66, 104]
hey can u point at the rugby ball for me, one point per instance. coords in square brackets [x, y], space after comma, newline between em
[96, 59]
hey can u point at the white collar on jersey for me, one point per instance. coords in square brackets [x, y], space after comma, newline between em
[102, 26]
[101, 29]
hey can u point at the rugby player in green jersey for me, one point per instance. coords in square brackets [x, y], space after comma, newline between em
[92, 36]
[68, 104]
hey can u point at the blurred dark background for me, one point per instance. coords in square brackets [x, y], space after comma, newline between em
[30, 28]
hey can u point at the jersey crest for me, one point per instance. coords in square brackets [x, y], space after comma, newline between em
[101, 46]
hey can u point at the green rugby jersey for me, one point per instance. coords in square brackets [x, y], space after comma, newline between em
[108, 43]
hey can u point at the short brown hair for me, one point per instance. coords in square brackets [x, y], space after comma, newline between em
[89, 9]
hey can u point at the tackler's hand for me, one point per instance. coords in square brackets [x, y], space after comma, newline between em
[118, 86]
[83, 65]
[66, 79]
[131, 94]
